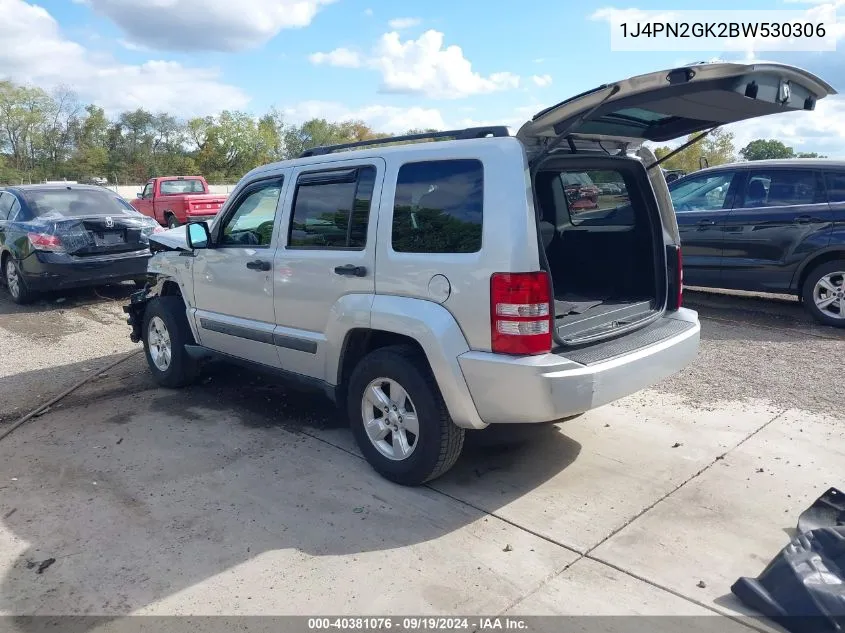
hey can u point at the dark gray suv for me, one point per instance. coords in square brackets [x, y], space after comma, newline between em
[769, 226]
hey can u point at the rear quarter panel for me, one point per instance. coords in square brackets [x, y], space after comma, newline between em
[509, 241]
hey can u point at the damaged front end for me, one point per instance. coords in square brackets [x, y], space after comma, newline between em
[137, 306]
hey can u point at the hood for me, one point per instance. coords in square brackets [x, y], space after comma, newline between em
[669, 104]
[171, 239]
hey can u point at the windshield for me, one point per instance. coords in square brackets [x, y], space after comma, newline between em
[76, 202]
[179, 187]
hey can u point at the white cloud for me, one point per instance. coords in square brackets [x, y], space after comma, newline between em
[422, 66]
[425, 66]
[368, 12]
[542, 80]
[192, 25]
[821, 130]
[379, 117]
[341, 57]
[397, 24]
[55, 60]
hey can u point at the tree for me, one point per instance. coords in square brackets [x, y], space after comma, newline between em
[766, 149]
[716, 148]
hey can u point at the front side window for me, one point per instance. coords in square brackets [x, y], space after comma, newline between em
[6, 200]
[251, 222]
[701, 193]
[439, 207]
[148, 191]
[331, 209]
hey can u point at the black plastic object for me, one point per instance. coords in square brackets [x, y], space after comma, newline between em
[827, 511]
[803, 588]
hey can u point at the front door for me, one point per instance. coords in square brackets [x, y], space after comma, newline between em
[145, 202]
[325, 271]
[702, 204]
[233, 278]
[778, 218]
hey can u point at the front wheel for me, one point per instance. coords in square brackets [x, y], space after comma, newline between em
[399, 419]
[165, 333]
[824, 293]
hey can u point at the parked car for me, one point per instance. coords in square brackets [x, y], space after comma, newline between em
[65, 236]
[770, 226]
[428, 290]
[176, 200]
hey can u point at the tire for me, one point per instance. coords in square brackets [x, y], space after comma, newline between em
[438, 443]
[15, 284]
[166, 327]
[814, 293]
[172, 221]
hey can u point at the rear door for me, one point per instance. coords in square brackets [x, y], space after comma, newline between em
[673, 103]
[702, 203]
[326, 266]
[780, 216]
[233, 280]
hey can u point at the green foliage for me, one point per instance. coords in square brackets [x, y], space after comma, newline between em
[716, 148]
[52, 136]
[765, 149]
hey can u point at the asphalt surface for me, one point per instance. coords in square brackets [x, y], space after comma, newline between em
[242, 496]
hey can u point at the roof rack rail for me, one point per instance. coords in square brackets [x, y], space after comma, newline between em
[458, 135]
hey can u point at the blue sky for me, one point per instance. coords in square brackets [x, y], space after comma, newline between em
[392, 64]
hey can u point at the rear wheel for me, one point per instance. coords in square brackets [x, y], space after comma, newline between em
[399, 419]
[15, 282]
[172, 222]
[824, 293]
[165, 334]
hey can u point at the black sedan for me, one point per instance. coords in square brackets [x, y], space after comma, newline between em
[67, 236]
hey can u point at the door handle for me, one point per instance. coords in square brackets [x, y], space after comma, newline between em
[706, 222]
[259, 264]
[351, 270]
[803, 219]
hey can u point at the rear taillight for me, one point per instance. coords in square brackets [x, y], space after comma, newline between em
[676, 277]
[45, 242]
[520, 322]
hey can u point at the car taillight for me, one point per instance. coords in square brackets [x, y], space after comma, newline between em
[45, 242]
[520, 322]
[676, 270]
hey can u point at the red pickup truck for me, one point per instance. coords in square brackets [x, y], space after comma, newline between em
[175, 200]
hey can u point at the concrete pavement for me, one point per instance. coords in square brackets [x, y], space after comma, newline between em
[239, 496]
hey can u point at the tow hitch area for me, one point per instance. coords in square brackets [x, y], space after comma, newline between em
[135, 310]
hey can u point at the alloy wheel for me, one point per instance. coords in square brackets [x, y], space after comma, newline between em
[829, 295]
[390, 419]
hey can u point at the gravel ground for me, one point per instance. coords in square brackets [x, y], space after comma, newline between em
[49, 345]
[754, 347]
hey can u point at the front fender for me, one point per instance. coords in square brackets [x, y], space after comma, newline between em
[435, 329]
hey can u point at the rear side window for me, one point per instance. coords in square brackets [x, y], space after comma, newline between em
[835, 187]
[439, 207]
[781, 188]
[331, 209]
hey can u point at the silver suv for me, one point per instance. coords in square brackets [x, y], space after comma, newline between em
[434, 287]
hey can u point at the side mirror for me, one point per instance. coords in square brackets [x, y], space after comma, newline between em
[139, 195]
[197, 235]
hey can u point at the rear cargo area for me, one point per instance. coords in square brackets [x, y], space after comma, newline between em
[603, 244]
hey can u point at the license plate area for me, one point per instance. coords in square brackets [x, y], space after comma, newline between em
[109, 238]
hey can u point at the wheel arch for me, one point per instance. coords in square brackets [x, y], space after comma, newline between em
[816, 259]
[425, 325]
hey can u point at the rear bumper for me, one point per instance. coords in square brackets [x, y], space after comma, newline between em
[551, 387]
[53, 271]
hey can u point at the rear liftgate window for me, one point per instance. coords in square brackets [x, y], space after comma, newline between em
[439, 207]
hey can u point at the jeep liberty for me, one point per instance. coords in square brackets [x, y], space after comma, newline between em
[434, 287]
